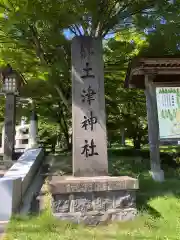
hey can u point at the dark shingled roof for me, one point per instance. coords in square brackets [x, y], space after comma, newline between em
[143, 64]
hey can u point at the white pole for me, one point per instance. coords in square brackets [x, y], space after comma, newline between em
[33, 130]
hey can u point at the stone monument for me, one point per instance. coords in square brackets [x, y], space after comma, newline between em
[90, 195]
[88, 109]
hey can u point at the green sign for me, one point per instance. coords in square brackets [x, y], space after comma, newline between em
[168, 104]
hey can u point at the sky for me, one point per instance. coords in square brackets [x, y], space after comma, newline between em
[70, 35]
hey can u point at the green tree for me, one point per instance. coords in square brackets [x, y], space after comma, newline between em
[32, 40]
[126, 108]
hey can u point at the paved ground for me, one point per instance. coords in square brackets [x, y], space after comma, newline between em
[2, 172]
[2, 229]
[2, 224]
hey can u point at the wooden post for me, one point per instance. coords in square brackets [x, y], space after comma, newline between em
[9, 127]
[153, 129]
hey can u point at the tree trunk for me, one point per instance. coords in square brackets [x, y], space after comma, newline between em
[68, 143]
[66, 136]
[62, 97]
[53, 148]
[123, 142]
[137, 142]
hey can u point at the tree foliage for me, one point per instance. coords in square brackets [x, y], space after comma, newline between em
[34, 42]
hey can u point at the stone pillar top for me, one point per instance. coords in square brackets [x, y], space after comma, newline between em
[69, 184]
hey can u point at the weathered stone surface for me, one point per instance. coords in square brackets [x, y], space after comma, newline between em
[102, 201]
[82, 203]
[61, 206]
[94, 219]
[88, 184]
[92, 208]
[95, 201]
[72, 217]
[124, 199]
[125, 215]
[88, 108]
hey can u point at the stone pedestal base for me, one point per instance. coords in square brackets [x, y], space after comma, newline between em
[94, 200]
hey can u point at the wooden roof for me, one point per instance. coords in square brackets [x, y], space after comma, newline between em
[165, 69]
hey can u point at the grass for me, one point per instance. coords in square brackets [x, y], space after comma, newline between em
[162, 222]
[158, 211]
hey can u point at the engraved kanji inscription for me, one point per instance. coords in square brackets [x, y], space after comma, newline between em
[89, 149]
[86, 51]
[82, 187]
[10, 106]
[88, 95]
[87, 71]
[61, 206]
[103, 203]
[89, 122]
[82, 205]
